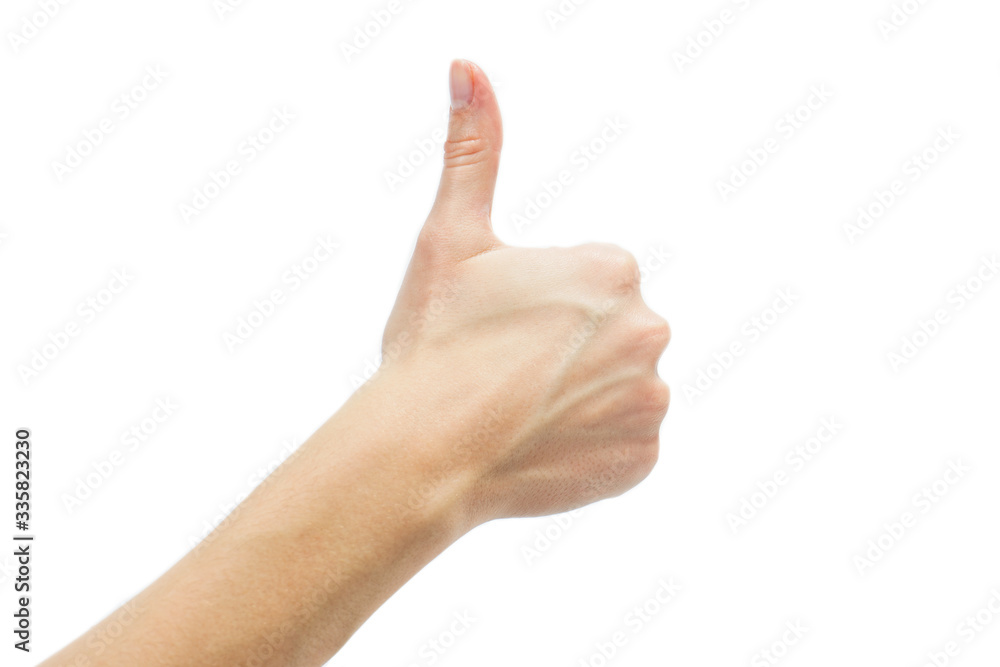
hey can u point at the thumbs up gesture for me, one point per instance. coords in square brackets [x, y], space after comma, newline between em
[529, 374]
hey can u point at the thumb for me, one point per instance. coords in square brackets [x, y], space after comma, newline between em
[461, 212]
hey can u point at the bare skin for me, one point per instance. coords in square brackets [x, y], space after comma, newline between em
[515, 382]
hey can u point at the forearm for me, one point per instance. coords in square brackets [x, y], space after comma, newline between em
[362, 506]
[519, 382]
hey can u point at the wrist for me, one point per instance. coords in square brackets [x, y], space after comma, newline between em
[424, 454]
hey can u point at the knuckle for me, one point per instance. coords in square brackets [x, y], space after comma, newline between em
[649, 334]
[656, 399]
[622, 263]
[658, 333]
[613, 264]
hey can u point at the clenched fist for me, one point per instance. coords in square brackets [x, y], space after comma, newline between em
[514, 382]
[538, 365]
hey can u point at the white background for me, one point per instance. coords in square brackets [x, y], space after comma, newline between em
[653, 190]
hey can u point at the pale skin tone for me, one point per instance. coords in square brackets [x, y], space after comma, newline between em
[515, 382]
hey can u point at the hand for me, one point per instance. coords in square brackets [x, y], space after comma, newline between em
[537, 367]
[514, 382]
